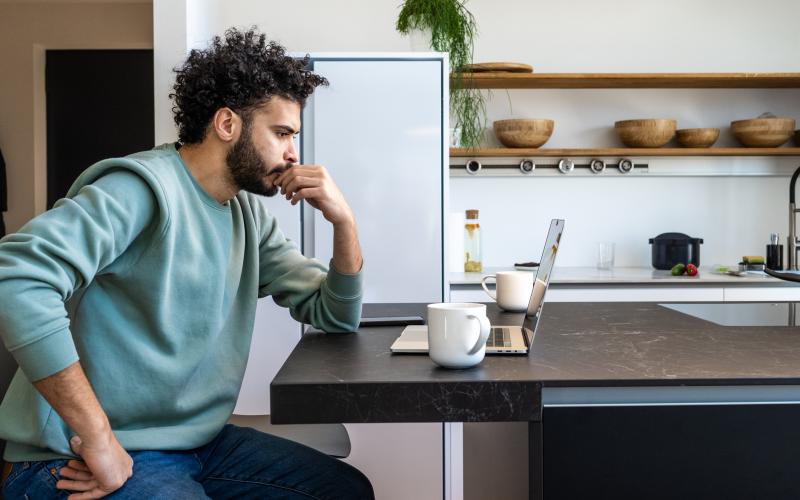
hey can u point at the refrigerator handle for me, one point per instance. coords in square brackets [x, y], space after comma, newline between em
[307, 229]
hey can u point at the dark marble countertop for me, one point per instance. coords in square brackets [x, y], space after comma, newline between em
[355, 378]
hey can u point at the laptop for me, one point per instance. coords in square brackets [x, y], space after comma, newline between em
[503, 339]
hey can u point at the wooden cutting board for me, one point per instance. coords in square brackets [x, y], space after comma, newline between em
[498, 66]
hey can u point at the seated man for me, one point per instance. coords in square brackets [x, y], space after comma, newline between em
[130, 305]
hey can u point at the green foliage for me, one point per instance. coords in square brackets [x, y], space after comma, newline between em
[453, 31]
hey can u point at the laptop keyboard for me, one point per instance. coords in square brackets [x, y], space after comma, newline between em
[499, 337]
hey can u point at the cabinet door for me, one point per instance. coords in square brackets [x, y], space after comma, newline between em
[402, 461]
[762, 294]
[669, 452]
[378, 129]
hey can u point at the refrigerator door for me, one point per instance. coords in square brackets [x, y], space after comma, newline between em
[379, 130]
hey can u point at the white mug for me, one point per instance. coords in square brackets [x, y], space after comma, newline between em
[457, 334]
[513, 289]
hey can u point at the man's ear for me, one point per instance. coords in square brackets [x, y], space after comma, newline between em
[226, 125]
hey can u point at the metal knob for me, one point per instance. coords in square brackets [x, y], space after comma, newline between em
[566, 165]
[473, 167]
[527, 166]
[625, 165]
[597, 166]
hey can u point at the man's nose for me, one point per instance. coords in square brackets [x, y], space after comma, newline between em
[290, 155]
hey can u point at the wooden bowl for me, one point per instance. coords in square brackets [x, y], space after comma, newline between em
[697, 137]
[763, 132]
[650, 133]
[523, 133]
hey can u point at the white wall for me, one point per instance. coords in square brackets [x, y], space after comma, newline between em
[178, 27]
[569, 36]
[733, 215]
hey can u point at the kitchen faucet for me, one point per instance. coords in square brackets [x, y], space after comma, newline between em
[793, 242]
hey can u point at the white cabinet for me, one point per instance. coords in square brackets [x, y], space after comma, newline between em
[762, 294]
[402, 461]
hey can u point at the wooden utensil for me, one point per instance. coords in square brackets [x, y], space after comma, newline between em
[763, 132]
[523, 133]
[508, 67]
[697, 137]
[646, 133]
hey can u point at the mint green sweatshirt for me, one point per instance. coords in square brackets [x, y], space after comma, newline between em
[152, 284]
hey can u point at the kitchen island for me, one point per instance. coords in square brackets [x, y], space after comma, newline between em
[624, 400]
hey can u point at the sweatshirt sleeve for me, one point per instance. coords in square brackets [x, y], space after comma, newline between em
[57, 253]
[321, 296]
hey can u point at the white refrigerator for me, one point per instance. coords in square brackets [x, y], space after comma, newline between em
[381, 130]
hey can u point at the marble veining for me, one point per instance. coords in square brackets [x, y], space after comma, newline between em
[355, 378]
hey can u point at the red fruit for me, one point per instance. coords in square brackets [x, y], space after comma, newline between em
[691, 270]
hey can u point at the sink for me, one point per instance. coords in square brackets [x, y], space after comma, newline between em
[741, 313]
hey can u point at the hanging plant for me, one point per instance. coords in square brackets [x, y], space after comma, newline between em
[453, 29]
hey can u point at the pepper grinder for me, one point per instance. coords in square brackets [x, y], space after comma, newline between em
[774, 253]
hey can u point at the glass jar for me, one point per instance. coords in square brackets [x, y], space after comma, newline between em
[472, 243]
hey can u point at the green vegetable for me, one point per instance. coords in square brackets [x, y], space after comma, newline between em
[678, 269]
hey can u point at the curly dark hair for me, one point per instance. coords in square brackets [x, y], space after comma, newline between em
[240, 72]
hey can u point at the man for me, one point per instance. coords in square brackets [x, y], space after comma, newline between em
[129, 306]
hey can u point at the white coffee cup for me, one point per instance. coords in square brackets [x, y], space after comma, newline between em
[513, 289]
[457, 334]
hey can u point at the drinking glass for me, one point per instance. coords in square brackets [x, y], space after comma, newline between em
[605, 255]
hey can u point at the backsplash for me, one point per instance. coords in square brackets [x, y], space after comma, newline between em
[734, 215]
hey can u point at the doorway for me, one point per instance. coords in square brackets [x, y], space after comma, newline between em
[99, 105]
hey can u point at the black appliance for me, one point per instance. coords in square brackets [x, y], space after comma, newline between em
[675, 248]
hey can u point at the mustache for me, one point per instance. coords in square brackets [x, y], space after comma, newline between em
[281, 168]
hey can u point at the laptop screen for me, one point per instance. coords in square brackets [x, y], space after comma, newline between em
[546, 264]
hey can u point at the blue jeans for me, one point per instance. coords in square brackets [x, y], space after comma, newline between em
[239, 463]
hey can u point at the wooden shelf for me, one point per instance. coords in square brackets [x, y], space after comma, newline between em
[502, 80]
[603, 152]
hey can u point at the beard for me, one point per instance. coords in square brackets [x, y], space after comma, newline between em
[247, 169]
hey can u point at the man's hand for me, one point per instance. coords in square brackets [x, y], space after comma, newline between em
[313, 184]
[104, 468]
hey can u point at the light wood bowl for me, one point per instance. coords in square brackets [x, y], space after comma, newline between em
[697, 137]
[523, 133]
[649, 133]
[763, 132]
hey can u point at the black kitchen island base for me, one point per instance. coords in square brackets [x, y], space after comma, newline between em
[666, 452]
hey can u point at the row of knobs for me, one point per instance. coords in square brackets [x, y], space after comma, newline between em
[565, 165]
